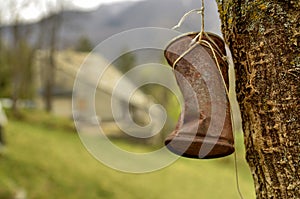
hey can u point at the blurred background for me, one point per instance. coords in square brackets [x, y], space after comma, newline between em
[42, 45]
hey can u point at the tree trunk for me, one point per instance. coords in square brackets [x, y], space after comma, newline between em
[15, 66]
[263, 37]
[51, 65]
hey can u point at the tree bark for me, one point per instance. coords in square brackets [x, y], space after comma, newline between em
[263, 36]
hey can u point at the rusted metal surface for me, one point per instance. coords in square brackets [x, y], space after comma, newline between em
[205, 121]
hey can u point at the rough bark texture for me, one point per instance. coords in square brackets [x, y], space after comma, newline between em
[263, 36]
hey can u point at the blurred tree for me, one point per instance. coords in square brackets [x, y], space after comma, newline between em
[50, 66]
[84, 44]
[17, 58]
[5, 72]
[264, 38]
[167, 99]
[21, 57]
[49, 37]
[125, 62]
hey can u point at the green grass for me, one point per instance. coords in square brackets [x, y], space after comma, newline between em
[52, 163]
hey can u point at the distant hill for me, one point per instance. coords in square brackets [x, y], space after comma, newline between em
[110, 19]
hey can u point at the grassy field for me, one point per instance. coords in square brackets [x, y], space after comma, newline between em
[46, 162]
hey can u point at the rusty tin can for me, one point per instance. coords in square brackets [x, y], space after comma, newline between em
[204, 127]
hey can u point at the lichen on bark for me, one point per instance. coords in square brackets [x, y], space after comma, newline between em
[264, 37]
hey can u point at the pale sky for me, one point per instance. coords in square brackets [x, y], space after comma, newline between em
[31, 10]
[94, 3]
